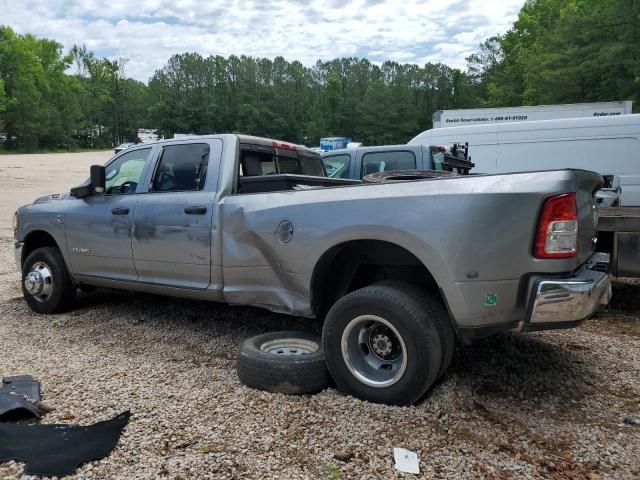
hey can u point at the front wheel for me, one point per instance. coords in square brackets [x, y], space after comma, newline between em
[381, 344]
[46, 284]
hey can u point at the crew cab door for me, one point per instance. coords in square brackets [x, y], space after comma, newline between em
[174, 218]
[98, 227]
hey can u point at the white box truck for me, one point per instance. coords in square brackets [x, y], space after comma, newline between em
[480, 116]
[609, 145]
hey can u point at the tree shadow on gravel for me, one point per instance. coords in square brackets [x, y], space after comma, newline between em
[174, 312]
[523, 366]
[511, 365]
[626, 295]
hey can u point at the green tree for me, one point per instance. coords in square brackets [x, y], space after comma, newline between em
[42, 110]
[562, 51]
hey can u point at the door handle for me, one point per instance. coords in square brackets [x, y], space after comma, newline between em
[195, 210]
[120, 211]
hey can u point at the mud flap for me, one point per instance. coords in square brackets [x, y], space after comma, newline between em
[58, 449]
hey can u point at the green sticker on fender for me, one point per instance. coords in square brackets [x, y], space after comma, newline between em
[490, 300]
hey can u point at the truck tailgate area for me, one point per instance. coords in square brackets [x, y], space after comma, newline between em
[620, 227]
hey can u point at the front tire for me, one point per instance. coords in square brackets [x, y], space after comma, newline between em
[381, 344]
[46, 284]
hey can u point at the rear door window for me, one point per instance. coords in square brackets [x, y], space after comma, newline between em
[182, 168]
[375, 162]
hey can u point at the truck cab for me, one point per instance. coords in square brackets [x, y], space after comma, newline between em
[356, 163]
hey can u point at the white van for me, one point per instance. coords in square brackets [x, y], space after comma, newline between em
[479, 116]
[607, 145]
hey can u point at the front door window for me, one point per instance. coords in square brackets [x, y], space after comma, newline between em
[123, 174]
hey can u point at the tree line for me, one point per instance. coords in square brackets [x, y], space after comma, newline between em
[42, 106]
[562, 51]
[558, 51]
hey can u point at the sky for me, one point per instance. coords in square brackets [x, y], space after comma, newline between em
[148, 32]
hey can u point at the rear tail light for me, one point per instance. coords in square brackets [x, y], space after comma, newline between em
[557, 234]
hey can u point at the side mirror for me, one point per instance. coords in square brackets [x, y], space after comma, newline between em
[97, 178]
[95, 183]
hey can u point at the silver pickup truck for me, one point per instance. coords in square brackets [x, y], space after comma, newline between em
[397, 271]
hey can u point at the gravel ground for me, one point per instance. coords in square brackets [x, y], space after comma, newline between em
[543, 405]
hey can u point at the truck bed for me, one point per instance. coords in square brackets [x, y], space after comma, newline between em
[286, 181]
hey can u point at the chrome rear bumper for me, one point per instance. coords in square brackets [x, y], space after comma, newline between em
[571, 299]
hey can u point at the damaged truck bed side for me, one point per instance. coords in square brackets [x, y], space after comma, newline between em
[396, 270]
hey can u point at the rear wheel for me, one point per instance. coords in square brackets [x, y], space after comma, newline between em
[434, 306]
[46, 284]
[382, 344]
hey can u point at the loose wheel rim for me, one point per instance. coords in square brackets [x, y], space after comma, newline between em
[289, 346]
[39, 282]
[374, 351]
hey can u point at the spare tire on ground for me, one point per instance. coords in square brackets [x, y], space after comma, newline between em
[405, 175]
[283, 362]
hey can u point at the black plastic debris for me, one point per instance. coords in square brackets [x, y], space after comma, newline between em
[631, 421]
[18, 395]
[58, 449]
[24, 385]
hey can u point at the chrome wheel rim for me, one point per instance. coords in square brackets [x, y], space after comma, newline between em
[289, 346]
[39, 282]
[374, 351]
